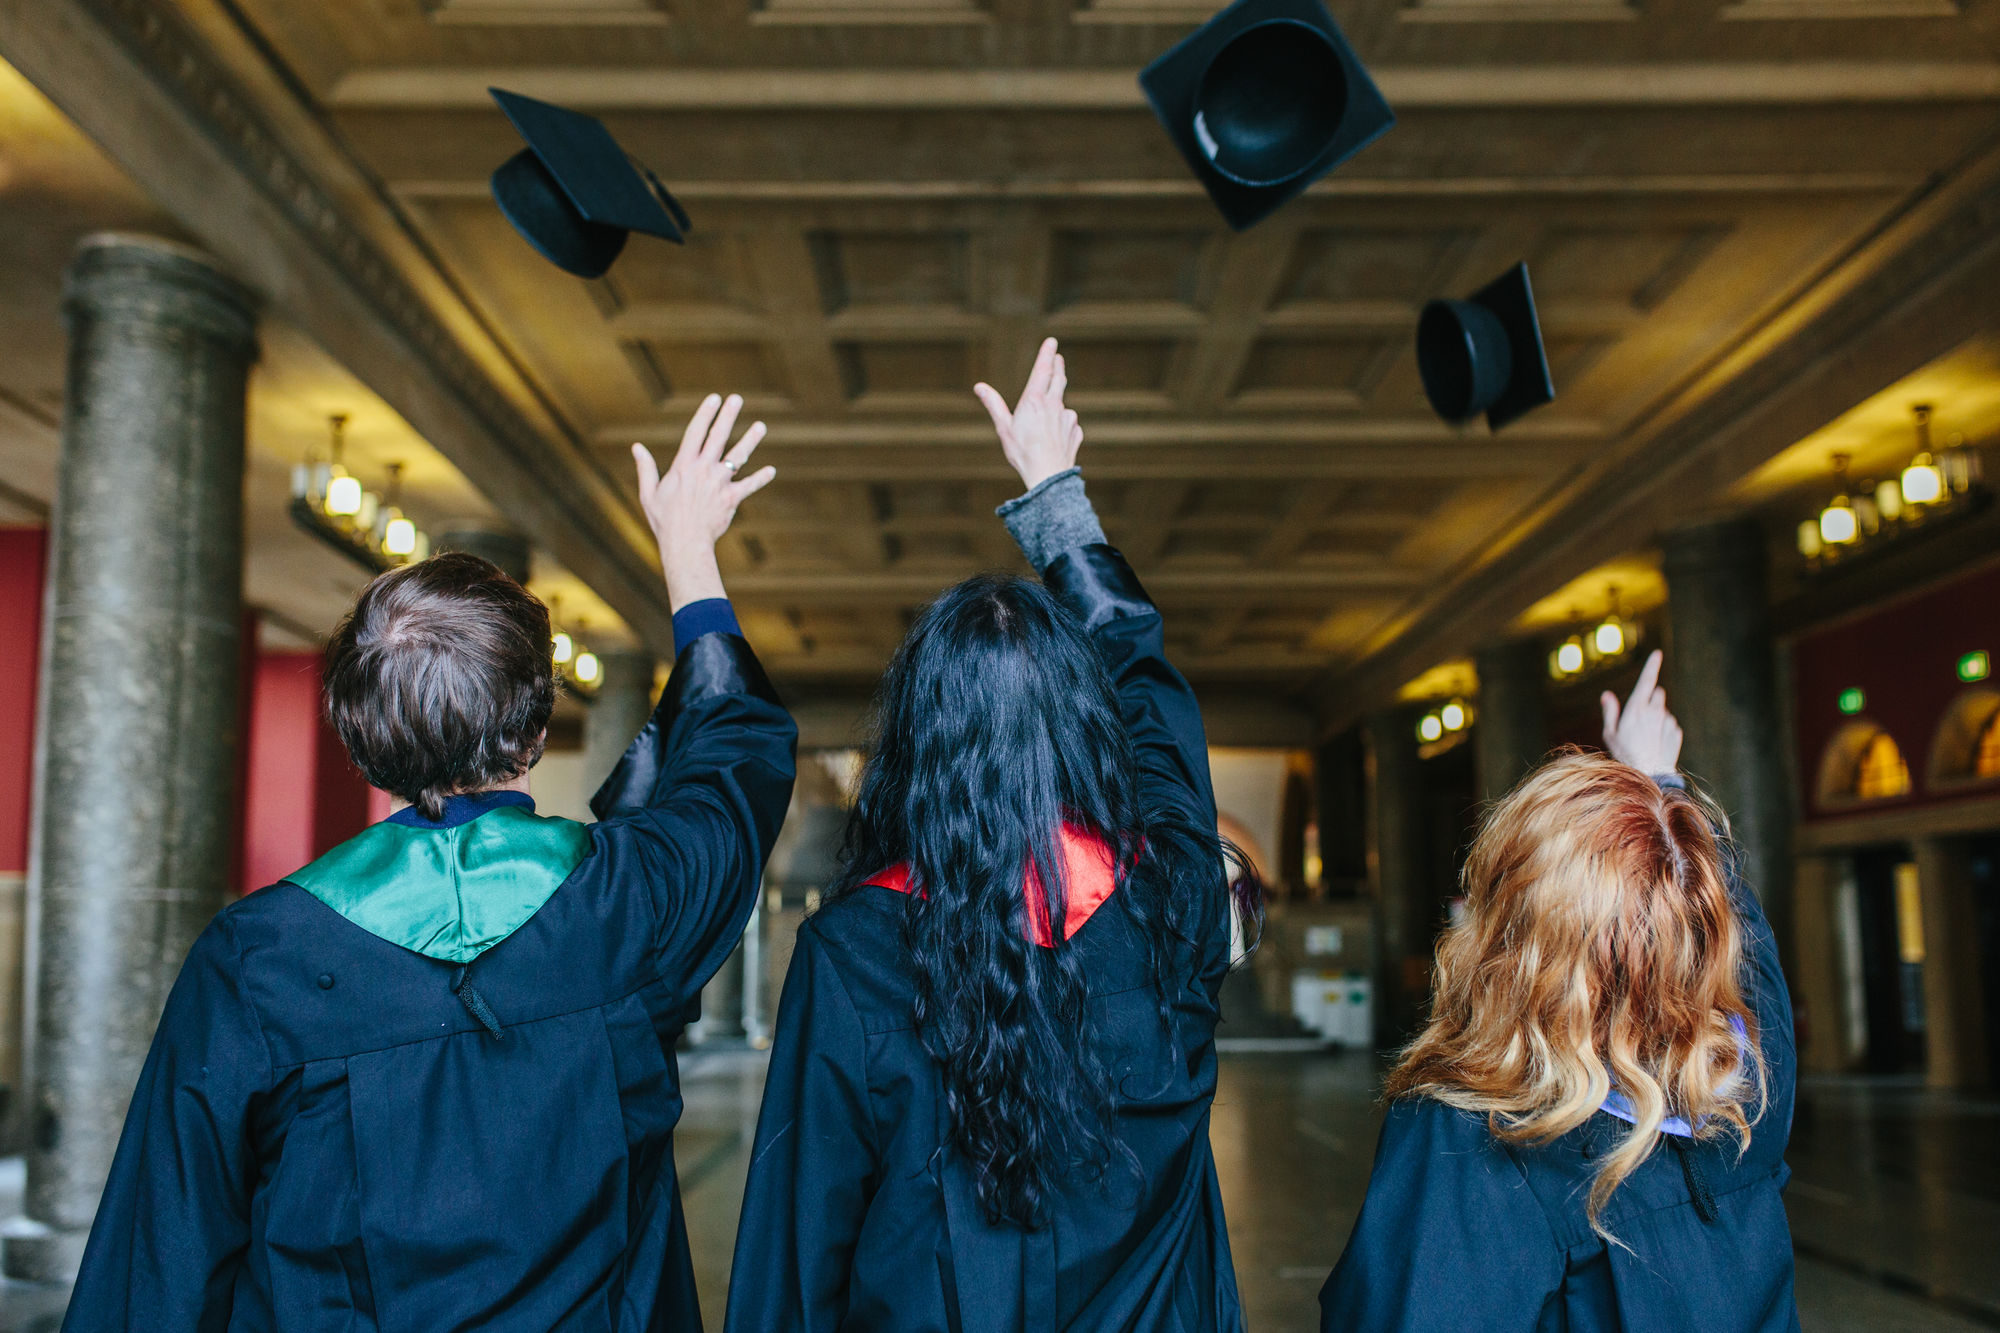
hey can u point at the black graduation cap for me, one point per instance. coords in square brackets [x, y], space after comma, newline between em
[1263, 100]
[1485, 354]
[573, 193]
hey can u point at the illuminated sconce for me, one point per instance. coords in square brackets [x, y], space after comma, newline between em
[1810, 544]
[1567, 659]
[1923, 481]
[1455, 716]
[1838, 523]
[399, 537]
[1889, 500]
[343, 494]
[1430, 728]
[587, 668]
[565, 648]
[1609, 638]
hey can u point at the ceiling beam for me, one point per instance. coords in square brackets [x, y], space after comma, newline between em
[300, 225]
[1407, 88]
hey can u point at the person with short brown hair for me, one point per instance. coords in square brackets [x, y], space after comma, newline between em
[1589, 1133]
[428, 1081]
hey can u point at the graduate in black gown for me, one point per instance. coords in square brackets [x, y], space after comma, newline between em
[427, 1083]
[989, 1092]
[1590, 1133]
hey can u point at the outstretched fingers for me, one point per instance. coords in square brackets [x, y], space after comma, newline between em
[697, 427]
[746, 446]
[742, 490]
[725, 422]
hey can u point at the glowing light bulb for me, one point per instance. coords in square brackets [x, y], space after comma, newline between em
[1452, 715]
[1922, 482]
[1609, 638]
[400, 537]
[1569, 657]
[1430, 728]
[343, 495]
[586, 667]
[1837, 524]
[565, 647]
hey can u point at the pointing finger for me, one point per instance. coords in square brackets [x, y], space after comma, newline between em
[1045, 366]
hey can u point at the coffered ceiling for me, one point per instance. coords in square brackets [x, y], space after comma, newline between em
[894, 198]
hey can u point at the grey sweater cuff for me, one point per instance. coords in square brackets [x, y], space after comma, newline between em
[1052, 518]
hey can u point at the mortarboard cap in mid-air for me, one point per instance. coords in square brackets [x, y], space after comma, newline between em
[1485, 354]
[573, 193]
[1263, 100]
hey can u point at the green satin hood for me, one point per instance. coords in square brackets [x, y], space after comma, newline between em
[450, 893]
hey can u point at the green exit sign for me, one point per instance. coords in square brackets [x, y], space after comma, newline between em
[1852, 700]
[1975, 666]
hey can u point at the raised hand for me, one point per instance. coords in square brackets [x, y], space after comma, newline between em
[1040, 436]
[1643, 734]
[694, 502]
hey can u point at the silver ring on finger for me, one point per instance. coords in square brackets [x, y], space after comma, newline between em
[732, 464]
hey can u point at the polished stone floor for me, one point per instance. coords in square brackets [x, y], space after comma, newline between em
[1895, 1201]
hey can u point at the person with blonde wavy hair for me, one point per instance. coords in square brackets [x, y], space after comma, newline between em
[1589, 1132]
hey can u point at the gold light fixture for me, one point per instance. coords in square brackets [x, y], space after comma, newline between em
[1569, 657]
[331, 503]
[587, 668]
[1838, 523]
[1454, 716]
[1430, 727]
[1923, 481]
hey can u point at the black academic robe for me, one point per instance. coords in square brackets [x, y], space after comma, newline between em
[856, 1217]
[327, 1136]
[1461, 1231]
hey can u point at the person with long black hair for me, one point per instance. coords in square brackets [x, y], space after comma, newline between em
[989, 1091]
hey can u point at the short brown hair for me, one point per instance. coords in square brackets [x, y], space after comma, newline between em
[441, 681]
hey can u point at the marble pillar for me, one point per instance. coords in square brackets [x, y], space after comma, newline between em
[1407, 906]
[505, 549]
[136, 751]
[1955, 1044]
[1722, 683]
[1511, 734]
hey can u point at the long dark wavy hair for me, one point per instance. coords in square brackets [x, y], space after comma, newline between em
[996, 723]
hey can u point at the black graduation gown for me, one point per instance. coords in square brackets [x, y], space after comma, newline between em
[855, 1219]
[326, 1137]
[1461, 1231]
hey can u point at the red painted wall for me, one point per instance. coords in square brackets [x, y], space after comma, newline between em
[1904, 656]
[23, 565]
[302, 796]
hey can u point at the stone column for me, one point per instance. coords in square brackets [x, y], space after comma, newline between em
[1407, 908]
[1722, 683]
[508, 550]
[1511, 734]
[1955, 1050]
[136, 749]
[623, 702]
[1816, 974]
[1340, 783]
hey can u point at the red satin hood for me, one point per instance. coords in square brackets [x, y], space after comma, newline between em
[1090, 871]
